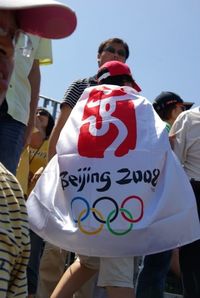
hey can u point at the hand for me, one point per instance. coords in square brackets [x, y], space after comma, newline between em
[34, 177]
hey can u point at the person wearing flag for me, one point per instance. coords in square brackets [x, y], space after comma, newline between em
[53, 258]
[108, 191]
[115, 274]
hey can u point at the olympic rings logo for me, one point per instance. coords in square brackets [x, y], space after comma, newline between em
[111, 217]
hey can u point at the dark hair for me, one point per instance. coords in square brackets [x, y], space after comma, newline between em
[119, 80]
[165, 114]
[51, 121]
[104, 44]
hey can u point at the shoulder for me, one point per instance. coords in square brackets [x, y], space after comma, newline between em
[8, 180]
[188, 116]
[76, 89]
[183, 122]
[4, 171]
[84, 83]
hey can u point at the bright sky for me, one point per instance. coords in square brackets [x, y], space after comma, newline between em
[163, 37]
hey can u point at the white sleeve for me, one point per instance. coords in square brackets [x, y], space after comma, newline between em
[178, 133]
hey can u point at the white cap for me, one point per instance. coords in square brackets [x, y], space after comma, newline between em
[45, 18]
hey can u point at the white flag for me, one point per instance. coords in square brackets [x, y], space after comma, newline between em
[115, 188]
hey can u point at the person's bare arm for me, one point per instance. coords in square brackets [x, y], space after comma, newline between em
[64, 114]
[34, 79]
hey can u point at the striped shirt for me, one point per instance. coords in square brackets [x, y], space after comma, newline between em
[75, 90]
[14, 237]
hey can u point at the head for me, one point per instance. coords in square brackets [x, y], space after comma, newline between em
[116, 73]
[112, 49]
[169, 105]
[45, 18]
[45, 120]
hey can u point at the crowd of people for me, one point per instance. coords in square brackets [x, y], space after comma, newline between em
[33, 262]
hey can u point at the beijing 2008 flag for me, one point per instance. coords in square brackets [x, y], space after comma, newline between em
[115, 188]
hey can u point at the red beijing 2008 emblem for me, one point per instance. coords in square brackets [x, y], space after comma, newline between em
[108, 123]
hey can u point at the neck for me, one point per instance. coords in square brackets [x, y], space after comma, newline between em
[37, 139]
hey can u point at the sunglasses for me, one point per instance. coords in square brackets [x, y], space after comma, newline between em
[42, 113]
[183, 108]
[112, 50]
[21, 41]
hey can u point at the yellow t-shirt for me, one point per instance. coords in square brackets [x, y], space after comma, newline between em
[23, 170]
[31, 160]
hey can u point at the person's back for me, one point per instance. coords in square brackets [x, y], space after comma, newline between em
[115, 274]
[52, 259]
[153, 273]
[131, 165]
[185, 140]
